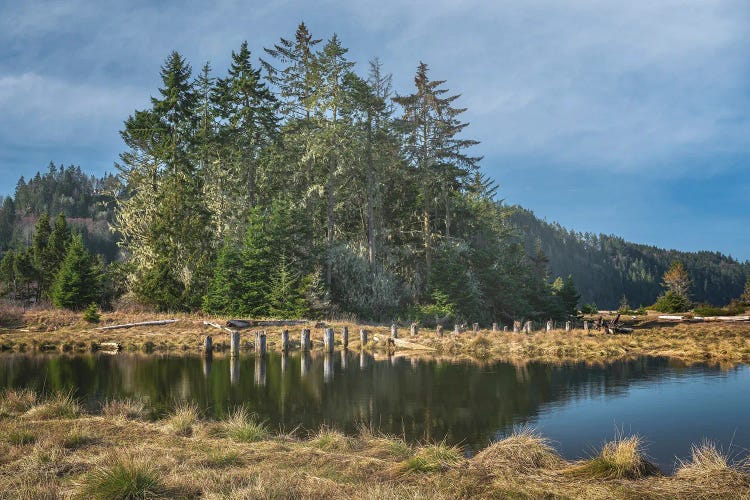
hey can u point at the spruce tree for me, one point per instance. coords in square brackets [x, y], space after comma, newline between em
[59, 240]
[227, 288]
[569, 297]
[45, 272]
[78, 283]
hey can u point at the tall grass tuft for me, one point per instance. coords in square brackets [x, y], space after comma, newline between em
[59, 405]
[128, 409]
[709, 466]
[14, 402]
[124, 479]
[619, 459]
[183, 418]
[330, 439]
[522, 451]
[241, 426]
[432, 458]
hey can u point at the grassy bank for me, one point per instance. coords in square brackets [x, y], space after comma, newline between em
[692, 342]
[50, 448]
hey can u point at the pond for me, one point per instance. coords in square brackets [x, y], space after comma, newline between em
[576, 405]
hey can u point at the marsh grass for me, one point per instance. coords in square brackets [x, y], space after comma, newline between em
[240, 425]
[76, 438]
[621, 458]
[20, 437]
[432, 458]
[222, 459]
[59, 405]
[125, 478]
[329, 439]
[523, 450]
[14, 402]
[183, 419]
[709, 465]
[127, 409]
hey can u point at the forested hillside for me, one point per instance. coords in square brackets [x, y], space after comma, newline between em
[606, 268]
[302, 185]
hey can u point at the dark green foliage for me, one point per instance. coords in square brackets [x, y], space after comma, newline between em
[91, 314]
[672, 302]
[589, 309]
[569, 297]
[745, 297]
[78, 282]
[226, 288]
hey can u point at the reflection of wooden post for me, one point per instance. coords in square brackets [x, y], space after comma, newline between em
[234, 343]
[345, 337]
[284, 340]
[344, 359]
[208, 345]
[567, 326]
[208, 359]
[516, 326]
[260, 370]
[394, 331]
[328, 367]
[305, 340]
[362, 360]
[260, 343]
[362, 338]
[284, 362]
[413, 330]
[234, 370]
[494, 327]
[549, 326]
[328, 340]
[476, 328]
[304, 363]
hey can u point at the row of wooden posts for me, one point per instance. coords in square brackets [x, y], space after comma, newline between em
[328, 336]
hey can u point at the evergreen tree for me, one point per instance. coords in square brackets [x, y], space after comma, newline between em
[78, 283]
[225, 292]
[745, 298]
[7, 274]
[285, 299]
[45, 272]
[257, 265]
[58, 243]
[569, 297]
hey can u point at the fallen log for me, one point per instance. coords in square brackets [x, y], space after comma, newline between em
[142, 323]
[246, 323]
[404, 344]
[216, 325]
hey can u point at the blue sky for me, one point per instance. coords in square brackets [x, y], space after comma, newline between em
[631, 118]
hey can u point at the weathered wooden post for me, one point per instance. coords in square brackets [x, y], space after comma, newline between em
[413, 330]
[362, 338]
[456, 329]
[260, 370]
[260, 343]
[394, 331]
[439, 331]
[328, 340]
[305, 340]
[527, 327]
[516, 326]
[494, 327]
[550, 325]
[284, 340]
[345, 337]
[234, 343]
[234, 370]
[505, 328]
[567, 326]
[476, 329]
[208, 345]
[328, 367]
[586, 326]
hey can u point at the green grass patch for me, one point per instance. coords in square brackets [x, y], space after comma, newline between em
[432, 458]
[125, 479]
[243, 427]
[20, 438]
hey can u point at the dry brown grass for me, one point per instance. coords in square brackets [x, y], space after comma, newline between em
[94, 456]
[622, 458]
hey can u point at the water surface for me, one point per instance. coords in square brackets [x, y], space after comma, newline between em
[577, 406]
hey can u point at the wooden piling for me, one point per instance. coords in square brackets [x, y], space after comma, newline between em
[516, 326]
[260, 343]
[505, 328]
[305, 340]
[550, 326]
[208, 345]
[567, 326]
[362, 338]
[284, 340]
[234, 343]
[476, 328]
[345, 337]
[439, 331]
[527, 327]
[328, 340]
[456, 329]
[494, 327]
[413, 330]
[586, 326]
[394, 331]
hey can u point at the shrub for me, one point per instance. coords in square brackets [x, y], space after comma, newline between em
[589, 309]
[91, 314]
[672, 302]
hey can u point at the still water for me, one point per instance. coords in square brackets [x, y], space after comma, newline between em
[577, 406]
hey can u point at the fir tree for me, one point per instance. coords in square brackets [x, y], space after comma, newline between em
[59, 240]
[569, 297]
[78, 283]
[225, 292]
[45, 270]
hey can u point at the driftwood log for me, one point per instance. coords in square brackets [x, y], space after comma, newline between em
[142, 323]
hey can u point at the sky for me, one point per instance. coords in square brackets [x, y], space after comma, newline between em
[628, 118]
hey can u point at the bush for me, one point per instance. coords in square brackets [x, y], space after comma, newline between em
[589, 309]
[733, 309]
[91, 314]
[672, 302]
